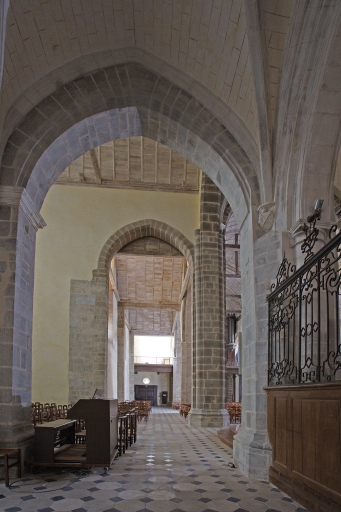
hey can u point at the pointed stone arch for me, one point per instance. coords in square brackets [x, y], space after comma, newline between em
[89, 327]
[141, 229]
[83, 114]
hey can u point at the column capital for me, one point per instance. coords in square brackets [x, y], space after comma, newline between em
[298, 230]
[18, 196]
[10, 196]
[27, 207]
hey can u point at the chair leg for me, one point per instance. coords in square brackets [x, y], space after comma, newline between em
[6, 469]
[19, 462]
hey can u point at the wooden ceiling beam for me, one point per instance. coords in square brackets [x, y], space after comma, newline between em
[184, 286]
[141, 332]
[95, 165]
[113, 284]
[150, 305]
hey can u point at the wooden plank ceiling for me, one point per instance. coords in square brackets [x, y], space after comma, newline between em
[154, 280]
[149, 275]
[134, 162]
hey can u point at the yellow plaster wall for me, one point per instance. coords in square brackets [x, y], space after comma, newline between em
[79, 222]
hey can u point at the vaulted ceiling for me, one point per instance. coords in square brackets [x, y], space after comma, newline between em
[206, 40]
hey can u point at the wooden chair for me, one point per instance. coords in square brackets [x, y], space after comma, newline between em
[143, 411]
[10, 453]
[235, 410]
[80, 434]
[122, 434]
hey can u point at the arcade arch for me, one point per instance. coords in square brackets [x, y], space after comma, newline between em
[40, 148]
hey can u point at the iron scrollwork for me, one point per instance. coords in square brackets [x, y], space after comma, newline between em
[310, 240]
[304, 316]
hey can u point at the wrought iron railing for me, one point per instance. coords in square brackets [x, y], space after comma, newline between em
[304, 318]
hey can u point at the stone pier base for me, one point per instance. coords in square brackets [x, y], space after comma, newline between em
[252, 454]
[204, 418]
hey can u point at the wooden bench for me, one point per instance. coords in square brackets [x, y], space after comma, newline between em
[7, 454]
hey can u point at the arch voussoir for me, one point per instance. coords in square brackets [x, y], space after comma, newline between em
[120, 101]
[141, 229]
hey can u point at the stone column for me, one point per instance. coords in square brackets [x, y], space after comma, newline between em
[126, 362]
[260, 263]
[112, 347]
[187, 347]
[208, 403]
[120, 352]
[19, 222]
[131, 367]
[177, 362]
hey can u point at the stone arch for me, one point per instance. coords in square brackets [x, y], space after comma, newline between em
[141, 229]
[83, 114]
[166, 113]
[95, 322]
[84, 66]
[127, 122]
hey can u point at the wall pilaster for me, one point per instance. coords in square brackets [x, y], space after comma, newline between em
[19, 222]
[120, 352]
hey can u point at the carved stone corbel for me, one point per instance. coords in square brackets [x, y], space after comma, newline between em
[266, 216]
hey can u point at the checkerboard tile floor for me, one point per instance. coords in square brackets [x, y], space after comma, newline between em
[171, 468]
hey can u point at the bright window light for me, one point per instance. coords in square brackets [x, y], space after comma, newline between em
[153, 349]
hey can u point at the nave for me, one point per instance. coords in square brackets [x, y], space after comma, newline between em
[171, 468]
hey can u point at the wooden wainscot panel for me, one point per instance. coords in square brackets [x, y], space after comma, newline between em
[281, 432]
[297, 436]
[304, 424]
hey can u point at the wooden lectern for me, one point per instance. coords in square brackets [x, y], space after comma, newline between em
[101, 429]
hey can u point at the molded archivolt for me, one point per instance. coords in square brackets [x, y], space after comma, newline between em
[141, 229]
[164, 112]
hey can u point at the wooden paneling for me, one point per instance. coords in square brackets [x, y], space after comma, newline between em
[281, 430]
[305, 432]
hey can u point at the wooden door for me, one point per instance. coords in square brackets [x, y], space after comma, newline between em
[143, 392]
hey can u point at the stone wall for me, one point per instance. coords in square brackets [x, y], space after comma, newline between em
[88, 338]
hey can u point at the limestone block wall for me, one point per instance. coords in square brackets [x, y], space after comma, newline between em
[88, 338]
